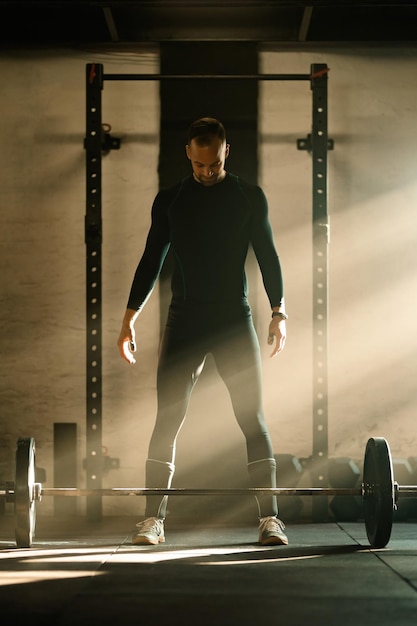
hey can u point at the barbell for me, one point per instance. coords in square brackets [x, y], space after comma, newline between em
[378, 490]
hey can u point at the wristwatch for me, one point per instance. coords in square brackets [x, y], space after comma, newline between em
[280, 314]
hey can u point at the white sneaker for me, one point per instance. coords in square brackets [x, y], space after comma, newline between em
[271, 532]
[150, 531]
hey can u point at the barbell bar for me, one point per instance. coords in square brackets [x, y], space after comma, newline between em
[378, 490]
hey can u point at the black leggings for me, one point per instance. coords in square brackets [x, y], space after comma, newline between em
[231, 339]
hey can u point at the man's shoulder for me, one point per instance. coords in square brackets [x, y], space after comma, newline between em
[242, 182]
[173, 189]
[251, 190]
[166, 195]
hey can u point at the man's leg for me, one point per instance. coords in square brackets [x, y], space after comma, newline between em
[239, 364]
[178, 371]
[159, 474]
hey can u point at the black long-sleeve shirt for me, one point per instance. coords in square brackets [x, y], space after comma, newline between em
[209, 230]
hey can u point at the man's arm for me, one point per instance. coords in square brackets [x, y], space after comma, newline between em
[269, 264]
[278, 328]
[127, 340]
[153, 257]
[147, 272]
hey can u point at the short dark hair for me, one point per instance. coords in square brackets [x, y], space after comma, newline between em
[205, 129]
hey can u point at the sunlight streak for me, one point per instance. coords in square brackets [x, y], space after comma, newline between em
[259, 561]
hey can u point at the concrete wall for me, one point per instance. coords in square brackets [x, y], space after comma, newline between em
[373, 260]
[372, 255]
[43, 254]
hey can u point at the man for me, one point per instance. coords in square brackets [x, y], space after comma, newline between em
[209, 219]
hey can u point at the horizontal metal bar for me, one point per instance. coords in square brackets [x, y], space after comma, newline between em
[67, 491]
[206, 76]
[407, 491]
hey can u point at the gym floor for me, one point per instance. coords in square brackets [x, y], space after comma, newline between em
[90, 573]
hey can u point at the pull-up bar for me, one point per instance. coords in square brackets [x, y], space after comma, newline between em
[207, 77]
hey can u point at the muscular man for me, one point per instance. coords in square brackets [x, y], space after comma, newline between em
[208, 220]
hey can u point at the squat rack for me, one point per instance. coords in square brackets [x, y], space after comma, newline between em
[317, 143]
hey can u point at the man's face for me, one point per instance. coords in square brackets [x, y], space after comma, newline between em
[207, 162]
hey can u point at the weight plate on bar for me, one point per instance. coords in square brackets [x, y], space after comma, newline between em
[25, 506]
[378, 492]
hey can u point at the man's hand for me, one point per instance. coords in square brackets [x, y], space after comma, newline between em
[127, 340]
[278, 333]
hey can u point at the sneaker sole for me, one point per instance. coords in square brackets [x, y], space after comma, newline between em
[274, 541]
[142, 540]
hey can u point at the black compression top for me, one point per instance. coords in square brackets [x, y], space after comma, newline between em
[209, 230]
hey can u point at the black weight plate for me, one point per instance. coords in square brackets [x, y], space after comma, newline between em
[25, 506]
[378, 492]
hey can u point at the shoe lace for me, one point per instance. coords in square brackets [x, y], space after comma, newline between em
[150, 524]
[272, 523]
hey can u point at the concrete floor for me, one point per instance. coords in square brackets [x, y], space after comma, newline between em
[91, 574]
